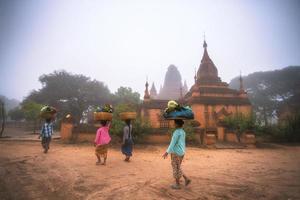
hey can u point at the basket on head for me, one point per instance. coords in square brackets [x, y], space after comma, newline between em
[127, 115]
[102, 116]
[48, 112]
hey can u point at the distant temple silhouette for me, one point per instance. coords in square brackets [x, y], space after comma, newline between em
[172, 88]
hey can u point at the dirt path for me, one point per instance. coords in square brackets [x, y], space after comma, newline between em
[69, 172]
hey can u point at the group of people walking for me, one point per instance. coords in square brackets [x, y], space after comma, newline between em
[103, 138]
[176, 147]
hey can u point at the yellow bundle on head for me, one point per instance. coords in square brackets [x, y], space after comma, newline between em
[172, 104]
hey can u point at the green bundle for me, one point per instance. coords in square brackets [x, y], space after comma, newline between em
[48, 112]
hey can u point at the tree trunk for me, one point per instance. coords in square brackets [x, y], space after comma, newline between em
[3, 118]
[34, 126]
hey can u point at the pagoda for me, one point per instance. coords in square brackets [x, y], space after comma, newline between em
[210, 98]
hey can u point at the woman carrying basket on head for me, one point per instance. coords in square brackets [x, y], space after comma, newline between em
[177, 144]
[177, 151]
[101, 142]
[127, 142]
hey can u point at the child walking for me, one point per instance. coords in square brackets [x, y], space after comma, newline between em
[177, 151]
[46, 134]
[101, 142]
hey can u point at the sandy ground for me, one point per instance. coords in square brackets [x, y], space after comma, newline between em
[69, 172]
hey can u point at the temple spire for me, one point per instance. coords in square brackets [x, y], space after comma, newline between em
[205, 57]
[147, 95]
[153, 92]
[195, 77]
[207, 71]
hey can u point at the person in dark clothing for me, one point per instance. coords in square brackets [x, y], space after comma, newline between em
[127, 142]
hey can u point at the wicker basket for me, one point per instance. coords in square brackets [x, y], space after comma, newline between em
[102, 116]
[48, 115]
[128, 115]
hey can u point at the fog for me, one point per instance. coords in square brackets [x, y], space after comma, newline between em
[122, 42]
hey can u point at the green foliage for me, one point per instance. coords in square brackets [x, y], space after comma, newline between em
[290, 130]
[287, 131]
[16, 114]
[31, 110]
[269, 90]
[70, 93]
[239, 123]
[140, 129]
[190, 131]
[126, 95]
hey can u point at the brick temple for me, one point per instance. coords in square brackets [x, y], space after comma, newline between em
[210, 98]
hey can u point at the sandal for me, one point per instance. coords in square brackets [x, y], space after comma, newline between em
[98, 163]
[175, 187]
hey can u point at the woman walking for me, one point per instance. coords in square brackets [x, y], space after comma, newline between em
[177, 151]
[127, 142]
[101, 142]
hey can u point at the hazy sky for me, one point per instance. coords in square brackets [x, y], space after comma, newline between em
[122, 42]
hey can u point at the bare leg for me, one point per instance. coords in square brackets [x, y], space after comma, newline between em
[99, 160]
[105, 157]
[186, 180]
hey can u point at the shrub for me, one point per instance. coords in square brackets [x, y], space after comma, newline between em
[290, 130]
[140, 128]
[240, 123]
[190, 131]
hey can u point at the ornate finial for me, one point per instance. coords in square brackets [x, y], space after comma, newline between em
[204, 44]
[241, 82]
[147, 84]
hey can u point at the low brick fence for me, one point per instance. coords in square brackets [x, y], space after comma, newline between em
[87, 133]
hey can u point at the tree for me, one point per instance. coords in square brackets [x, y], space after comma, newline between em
[290, 129]
[16, 114]
[269, 90]
[2, 113]
[70, 93]
[9, 103]
[126, 95]
[31, 112]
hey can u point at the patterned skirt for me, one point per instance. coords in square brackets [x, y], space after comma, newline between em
[101, 150]
[176, 161]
